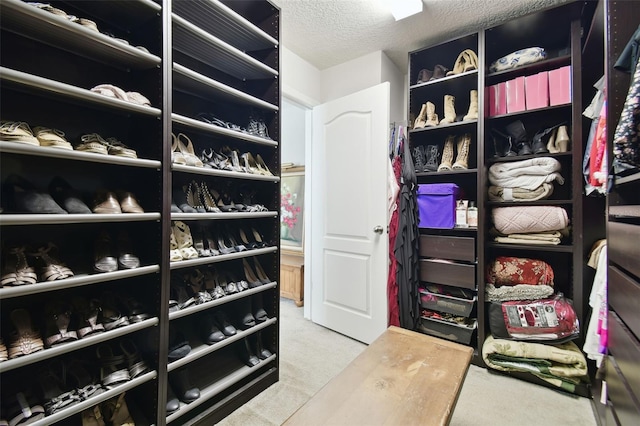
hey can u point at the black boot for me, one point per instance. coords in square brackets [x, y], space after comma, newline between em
[181, 384]
[246, 354]
[257, 308]
[541, 138]
[519, 137]
[418, 159]
[261, 350]
[431, 158]
[502, 144]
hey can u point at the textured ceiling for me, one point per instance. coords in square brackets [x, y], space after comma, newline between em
[329, 32]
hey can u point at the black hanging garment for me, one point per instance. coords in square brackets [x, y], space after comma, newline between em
[406, 248]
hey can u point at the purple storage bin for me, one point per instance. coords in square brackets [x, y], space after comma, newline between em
[437, 205]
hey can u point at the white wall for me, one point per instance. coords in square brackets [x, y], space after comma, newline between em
[300, 79]
[293, 132]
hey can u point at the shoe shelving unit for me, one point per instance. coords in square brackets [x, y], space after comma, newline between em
[561, 36]
[461, 245]
[212, 56]
[616, 23]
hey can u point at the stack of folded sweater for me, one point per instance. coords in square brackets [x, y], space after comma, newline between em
[525, 180]
[530, 224]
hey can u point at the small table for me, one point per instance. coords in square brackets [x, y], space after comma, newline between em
[402, 378]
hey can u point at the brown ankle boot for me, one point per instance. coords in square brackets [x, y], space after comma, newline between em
[462, 160]
[432, 117]
[449, 109]
[447, 154]
[473, 106]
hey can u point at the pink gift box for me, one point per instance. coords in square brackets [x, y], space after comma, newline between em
[515, 95]
[560, 86]
[537, 90]
[497, 99]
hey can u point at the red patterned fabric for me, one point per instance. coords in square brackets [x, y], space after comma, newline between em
[506, 270]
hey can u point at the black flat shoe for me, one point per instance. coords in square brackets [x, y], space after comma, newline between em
[66, 197]
[23, 197]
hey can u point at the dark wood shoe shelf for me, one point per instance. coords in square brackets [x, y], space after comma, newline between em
[563, 39]
[187, 57]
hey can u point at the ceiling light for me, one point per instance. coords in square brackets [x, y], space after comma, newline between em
[401, 9]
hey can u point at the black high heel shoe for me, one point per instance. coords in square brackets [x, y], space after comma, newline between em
[245, 240]
[259, 239]
[252, 279]
[210, 243]
[234, 243]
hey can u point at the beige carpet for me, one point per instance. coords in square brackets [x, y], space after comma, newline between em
[311, 355]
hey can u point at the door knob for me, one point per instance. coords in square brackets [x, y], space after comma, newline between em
[378, 229]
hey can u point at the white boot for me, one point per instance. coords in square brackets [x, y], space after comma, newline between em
[447, 154]
[449, 109]
[473, 107]
[421, 118]
[432, 117]
[462, 160]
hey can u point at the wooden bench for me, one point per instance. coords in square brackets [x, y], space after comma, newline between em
[402, 378]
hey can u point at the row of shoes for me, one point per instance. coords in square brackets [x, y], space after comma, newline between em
[425, 158]
[198, 198]
[69, 321]
[255, 126]
[197, 287]
[467, 61]
[87, 23]
[513, 140]
[21, 132]
[22, 196]
[184, 246]
[22, 265]
[429, 118]
[183, 152]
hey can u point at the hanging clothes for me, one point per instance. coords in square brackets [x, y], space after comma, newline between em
[595, 342]
[393, 189]
[406, 247]
[626, 141]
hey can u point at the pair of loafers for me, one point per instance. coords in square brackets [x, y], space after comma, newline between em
[109, 202]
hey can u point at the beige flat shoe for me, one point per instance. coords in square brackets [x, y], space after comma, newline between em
[115, 147]
[51, 137]
[94, 143]
[17, 131]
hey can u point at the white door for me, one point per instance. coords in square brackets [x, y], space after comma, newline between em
[349, 237]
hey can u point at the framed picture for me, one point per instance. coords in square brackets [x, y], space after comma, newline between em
[292, 209]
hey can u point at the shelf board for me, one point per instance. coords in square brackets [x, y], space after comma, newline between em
[230, 215]
[199, 44]
[444, 126]
[529, 69]
[529, 111]
[222, 173]
[621, 180]
[33, 22]
[221, 258]
[448, 172]
[75, 345]
[221, 21]
[76, 281]
[226, 299]
[204, 349]
[527, 157]
[530, 203]
[210, 128]
[445, 79]
[45, 151]
[56, 219]
[94, 400]
[625, 212]
[562, 248]
[187, 80]
[39, 83]
[216, 388]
